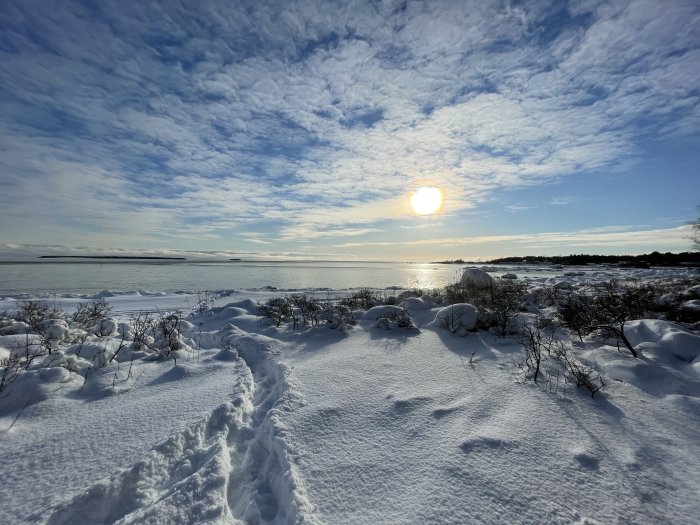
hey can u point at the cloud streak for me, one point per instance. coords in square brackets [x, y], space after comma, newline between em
[616, 238]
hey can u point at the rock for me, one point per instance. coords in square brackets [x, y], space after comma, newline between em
[476, 278]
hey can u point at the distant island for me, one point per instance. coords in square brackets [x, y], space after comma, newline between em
[637, 261]
[129, 257]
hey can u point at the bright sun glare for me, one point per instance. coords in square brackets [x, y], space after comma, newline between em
[426, 200]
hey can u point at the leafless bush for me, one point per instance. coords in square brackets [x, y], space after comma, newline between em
[122, 344]
[504, 299]
[167, 334]
[11, 366]
[498, 303]
[277, 309]
[541, 346]
[142, 324]
[87, 314]
[582, 375]
[364, 298]
[465, 293]
[205, 300]
[574, 312]
[539, 341]
[308, 308]
[29, 350]
[337, 316]
[34, 313]
[159, 334]
[615, 304]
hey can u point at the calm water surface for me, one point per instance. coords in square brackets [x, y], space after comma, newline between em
[92, 277]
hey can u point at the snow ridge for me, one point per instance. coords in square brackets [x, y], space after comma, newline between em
[234, 466]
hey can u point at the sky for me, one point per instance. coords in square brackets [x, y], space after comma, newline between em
[301, 129]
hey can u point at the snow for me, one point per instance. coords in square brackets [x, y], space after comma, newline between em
[457, 318]
[258, 424]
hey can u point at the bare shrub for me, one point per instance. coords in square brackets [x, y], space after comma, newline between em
[29, 350]
[205, 300]
[159, 334]
[575, 314]
[142, 324]
[277, 309]
[308, 307]
[34, 313]
[11, 366]
[541, 345]
[504, 299]
[465, 293]
[617, 303]
[122, 344]
[337, 316]
[87, 314]
[364, 298]
[167, 334]
[498, 302]
[539, 342]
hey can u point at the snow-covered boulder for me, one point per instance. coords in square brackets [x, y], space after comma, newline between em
[376, 312]
[563, 285]
[104, 293]
[476, 278]
[56, 331]
[418, 303]
[20, 327]
[125, 330]
[457, 318]
[185, 326]
[246, 306]
[105, 327]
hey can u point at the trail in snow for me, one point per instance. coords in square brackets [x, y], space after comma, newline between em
[234, 466]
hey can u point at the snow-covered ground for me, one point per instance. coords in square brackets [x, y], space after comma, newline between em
[255, 423]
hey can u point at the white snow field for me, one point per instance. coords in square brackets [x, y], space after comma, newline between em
[364, 424]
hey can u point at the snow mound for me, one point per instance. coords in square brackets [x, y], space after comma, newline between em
[419, 303]
[246, 305]
[669, 362]
[105, 327]
[33, 386]
[477, 278]
[664, 341]
[457, 318]
[226, 354]
[177, 372]
[376, 312]
[56, 331]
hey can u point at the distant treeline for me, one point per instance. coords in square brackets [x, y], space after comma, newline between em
[130, 257]
[639, 261]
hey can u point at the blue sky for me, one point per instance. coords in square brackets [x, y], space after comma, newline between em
[301, 129]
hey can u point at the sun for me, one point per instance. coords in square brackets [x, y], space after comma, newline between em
[426, 200]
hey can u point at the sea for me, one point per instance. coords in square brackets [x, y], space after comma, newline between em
[84, 277]
[90, 276]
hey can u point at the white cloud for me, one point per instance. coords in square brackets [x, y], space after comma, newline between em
[608, 238]
[207, 119]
